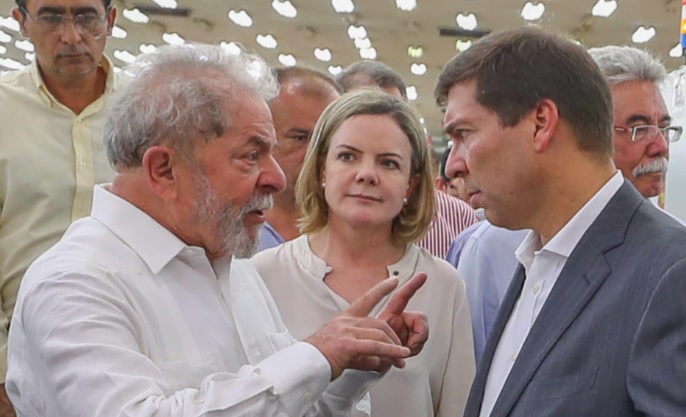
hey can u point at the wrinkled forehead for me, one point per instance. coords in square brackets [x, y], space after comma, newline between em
[64, 6]
[637, 102]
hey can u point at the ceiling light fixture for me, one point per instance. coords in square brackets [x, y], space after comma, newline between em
[677, 51]
[643, 34]
[335, 69]
[357, 32]
[9, 63]
[118, 32]
[231, 47]
[532, 12]
[135, 15]
[167, 4]
[418, 68]
[323, 54]
[285, 8]
[9, 23]
[406, 5]
[3, 50]
[287, 60]
[124, 56]
[362, 43]
[368, 53]
[604, 8]
[343, 6]
[147, 48]
[467, 22]
[461, 45]
[411, 92]
[24, 45]
[241, 18]
[5, 37]
[173, 39]
[267, 41]
[415, 51]
[29, 56]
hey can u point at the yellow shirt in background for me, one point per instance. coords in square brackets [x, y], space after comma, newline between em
[50, 159]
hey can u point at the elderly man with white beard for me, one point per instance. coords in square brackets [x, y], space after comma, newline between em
[145, 308]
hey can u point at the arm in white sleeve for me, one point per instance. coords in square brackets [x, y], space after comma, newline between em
[76, 350]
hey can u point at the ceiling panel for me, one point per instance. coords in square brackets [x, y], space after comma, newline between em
[391, 31]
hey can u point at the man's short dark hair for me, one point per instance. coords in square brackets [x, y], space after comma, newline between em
[516, 69]
[21, 4]
[363, 73]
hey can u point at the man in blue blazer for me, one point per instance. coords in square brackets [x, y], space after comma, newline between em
[594, 322]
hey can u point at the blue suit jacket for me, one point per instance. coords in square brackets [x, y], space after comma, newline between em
[611, 338]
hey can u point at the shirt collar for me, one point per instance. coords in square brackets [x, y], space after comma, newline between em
[564, 241]
[154, 243]
[50, 100]
[403, 269]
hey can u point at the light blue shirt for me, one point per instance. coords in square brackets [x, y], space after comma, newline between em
[484, 257]
[269, 237]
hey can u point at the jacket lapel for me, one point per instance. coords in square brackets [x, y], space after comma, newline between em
[584, 272]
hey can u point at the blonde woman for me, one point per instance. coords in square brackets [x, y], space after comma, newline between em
[366, 193]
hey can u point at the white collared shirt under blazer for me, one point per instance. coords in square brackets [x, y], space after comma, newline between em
[434, 383]
[121, 318]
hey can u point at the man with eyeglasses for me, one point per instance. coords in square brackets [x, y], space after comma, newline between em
[641, 120]
[51, 148]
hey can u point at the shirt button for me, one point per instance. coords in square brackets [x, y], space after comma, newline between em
[513, 357]
[396, 273]
[536, 289]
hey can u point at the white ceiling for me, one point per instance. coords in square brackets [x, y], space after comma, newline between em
[390, 30]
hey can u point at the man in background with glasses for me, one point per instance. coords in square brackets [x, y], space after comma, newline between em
[641, 120]
[51, 147]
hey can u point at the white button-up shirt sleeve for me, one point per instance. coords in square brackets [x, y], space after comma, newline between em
[112, 337]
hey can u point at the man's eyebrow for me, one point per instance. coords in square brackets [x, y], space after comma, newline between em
[447, 129]
[643, 118]
[50, 10]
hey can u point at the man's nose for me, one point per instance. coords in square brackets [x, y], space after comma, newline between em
[272, 177]
[456, 165]
[70, 32]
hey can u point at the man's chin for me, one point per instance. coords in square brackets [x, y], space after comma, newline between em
[650, 185]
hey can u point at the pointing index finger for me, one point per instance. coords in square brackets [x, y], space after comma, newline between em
[363, 305]
[399, 300]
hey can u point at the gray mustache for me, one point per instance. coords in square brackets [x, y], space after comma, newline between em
[659, 164]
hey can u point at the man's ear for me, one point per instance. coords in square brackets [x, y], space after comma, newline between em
[19, 17]
[545, 117]
[161, 167]
[111, 18]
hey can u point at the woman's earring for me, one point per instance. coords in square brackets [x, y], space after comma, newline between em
[405, 201]
[323, 184]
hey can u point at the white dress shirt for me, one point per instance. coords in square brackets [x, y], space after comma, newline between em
[434, 383]
[121, 318]
[543, 266]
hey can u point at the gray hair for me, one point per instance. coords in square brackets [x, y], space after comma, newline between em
[624, 63]
[177, 93]
[365, 73]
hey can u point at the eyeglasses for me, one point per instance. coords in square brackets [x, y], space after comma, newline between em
[86, 22]
[649, 132]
